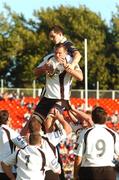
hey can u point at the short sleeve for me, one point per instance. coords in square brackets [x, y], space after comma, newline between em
[70, 47]
[10, 160]
[80, 145]
[117, 144]
[45, 59]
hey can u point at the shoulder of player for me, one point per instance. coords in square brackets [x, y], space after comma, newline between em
[49, 56]
[87, 130]
[5, 126]
[46, 138]
[31, 148]
[113, 131]
[68, 43]
[104, 126]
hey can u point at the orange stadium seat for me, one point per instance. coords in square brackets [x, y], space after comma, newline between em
[17, 110]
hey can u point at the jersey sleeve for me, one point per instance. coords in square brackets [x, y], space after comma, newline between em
[19, 141]
[51, 158]
[10, 160]
[54, 165]
[71, 48]
[117, 144]
[80, 145]
[13, 133]
[45, 59]
[16, 138]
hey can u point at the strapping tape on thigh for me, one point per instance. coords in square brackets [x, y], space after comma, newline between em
[38, 117]
[59, 107]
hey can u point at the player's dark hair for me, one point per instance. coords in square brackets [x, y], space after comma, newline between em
[60, 45]
[3, 116]
[56, 29]
[34, 138]
[99, 115]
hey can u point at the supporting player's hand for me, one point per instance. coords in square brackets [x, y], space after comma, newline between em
[68, 67]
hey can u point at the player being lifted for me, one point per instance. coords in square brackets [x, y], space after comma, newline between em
[59, 74]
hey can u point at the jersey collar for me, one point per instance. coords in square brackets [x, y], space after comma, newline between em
[100, 125]
[63, 39]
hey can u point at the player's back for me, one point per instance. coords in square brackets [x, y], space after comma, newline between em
[99, 142]
[30, 164]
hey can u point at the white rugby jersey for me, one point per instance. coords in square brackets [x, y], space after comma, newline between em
[5, 149]
[58, 85]
[97, 146]
[31, 163]
[54, 138]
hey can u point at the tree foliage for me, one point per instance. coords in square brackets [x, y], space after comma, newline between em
[24, 43]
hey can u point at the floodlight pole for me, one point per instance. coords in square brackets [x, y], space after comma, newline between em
[34, 89]
[97, 93]
[2, 86]
[86, 75]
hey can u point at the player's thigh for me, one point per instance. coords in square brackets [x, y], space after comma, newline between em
[44, 106]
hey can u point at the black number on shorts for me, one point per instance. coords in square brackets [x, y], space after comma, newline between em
[100, 146]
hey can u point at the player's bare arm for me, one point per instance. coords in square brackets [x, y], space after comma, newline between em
[77, 164]
[75, 73]
[68, 67]
[81, 115]
[65, 124]
[76, 58]
[8, 170]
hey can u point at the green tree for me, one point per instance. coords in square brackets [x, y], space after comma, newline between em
[21, 45]
[24, 43]
[113, 52]
[80, 23]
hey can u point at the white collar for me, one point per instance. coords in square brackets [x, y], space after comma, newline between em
[100, 125]
[63, 39]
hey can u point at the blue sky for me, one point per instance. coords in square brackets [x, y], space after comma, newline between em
[104, 7]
